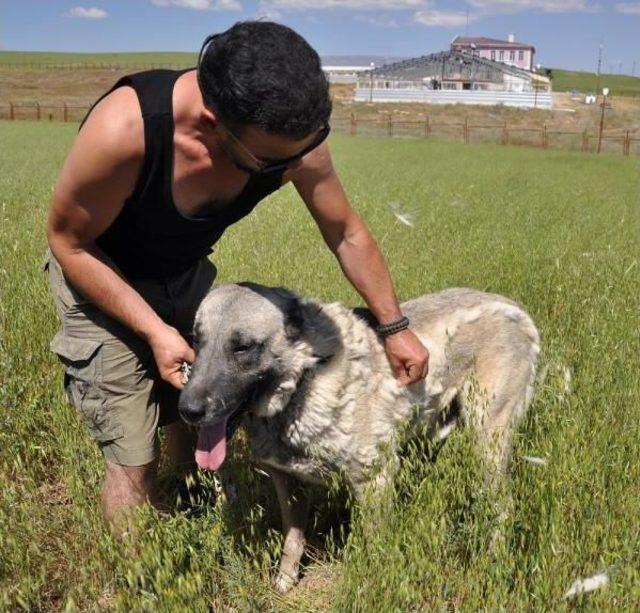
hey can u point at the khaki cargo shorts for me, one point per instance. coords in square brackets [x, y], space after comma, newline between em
[111, 377]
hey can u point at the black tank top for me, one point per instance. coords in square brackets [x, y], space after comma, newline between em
[150, 239]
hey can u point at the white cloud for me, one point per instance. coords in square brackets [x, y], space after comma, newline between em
[381, 21]
[446, 19]
[350, 4]
[544, 6]
[631, 8]
[86, 13]
[202, 5]
[268, 14]
[229, 5]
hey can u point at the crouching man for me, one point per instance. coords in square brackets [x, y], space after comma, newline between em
[163, 164]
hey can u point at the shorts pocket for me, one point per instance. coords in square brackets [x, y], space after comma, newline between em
[83, 362]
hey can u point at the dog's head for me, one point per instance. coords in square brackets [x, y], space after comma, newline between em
[253, 345]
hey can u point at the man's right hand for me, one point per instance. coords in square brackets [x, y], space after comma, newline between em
[170, 351]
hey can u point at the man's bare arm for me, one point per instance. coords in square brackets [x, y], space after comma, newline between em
[99, 174]
[359, 256]
[346, 234]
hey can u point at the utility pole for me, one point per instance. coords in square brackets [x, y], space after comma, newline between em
[466, 30]
[604, 105]
[599, 68]
[373, 67]
[633, 68]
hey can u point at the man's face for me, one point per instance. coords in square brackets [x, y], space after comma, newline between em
[258, 152]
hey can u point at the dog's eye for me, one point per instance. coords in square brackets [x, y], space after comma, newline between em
[244, 346]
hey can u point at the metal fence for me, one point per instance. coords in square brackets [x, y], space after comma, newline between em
[534, 99]
[618, 141]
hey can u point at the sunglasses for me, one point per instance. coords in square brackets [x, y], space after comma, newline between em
[261, 166]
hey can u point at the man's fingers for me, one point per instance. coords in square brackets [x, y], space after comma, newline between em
[403, 375]
[176, 381]
[174, 378]
[190, 356]
[425, 368]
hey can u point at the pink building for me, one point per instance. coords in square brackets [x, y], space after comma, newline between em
[506, 51]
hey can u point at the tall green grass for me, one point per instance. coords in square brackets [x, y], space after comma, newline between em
[24, 59]
[558, 232]
[588, 82]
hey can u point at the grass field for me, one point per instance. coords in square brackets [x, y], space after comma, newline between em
[26, 58]
[587, 82]
[558, 232]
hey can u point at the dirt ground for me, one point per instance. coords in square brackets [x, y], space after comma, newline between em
[79, 88]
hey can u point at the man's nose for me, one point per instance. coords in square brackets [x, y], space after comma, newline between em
[192, 411]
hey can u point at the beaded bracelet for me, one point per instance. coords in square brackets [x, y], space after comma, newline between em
[393, 327]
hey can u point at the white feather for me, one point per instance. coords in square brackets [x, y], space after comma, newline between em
[534, 460]
[582, 586]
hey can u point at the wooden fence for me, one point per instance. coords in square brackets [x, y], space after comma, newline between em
[618, 141]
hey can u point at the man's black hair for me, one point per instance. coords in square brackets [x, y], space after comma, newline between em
[263, 74]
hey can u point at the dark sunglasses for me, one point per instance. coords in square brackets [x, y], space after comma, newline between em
[263, 166]
[266, 166]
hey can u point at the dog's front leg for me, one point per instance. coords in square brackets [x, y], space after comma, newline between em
[294, 509]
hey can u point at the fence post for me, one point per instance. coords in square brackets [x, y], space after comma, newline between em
[38, 111]
[427, 127]
[505, 134]
[352, 125]
[465, 130]
[585, 140]
[389, 125]
[626, 148]
[65, 112]
[545, 137]
[12, 114]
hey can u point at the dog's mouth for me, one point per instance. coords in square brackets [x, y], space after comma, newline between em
[211, 449]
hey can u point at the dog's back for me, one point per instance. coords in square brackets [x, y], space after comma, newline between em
[482, 348]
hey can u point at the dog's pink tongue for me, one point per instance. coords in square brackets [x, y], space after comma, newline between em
[212, 446]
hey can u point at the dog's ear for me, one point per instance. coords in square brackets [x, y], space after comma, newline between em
[293, 319]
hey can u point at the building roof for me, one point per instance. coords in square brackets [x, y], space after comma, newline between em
[483, 41]
[451, 64]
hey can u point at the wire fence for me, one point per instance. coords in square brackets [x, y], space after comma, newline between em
[95, 65]
[617, 141]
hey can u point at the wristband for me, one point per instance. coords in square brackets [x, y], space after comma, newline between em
[393, 327]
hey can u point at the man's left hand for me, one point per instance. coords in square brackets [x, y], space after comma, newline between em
[408, 357]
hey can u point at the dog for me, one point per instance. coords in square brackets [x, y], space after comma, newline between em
[316, 393]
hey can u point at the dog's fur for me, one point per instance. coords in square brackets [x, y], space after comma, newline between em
[319, 397]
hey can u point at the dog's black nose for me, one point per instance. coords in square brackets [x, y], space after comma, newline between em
[192, 412]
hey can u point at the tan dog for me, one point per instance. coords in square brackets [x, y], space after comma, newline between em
[318, 395]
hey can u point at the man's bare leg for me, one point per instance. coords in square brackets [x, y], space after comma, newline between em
[181, 446]
[125, 488]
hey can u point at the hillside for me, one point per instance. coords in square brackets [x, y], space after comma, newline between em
[584, 82]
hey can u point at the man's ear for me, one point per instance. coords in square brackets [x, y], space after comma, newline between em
[209, 118]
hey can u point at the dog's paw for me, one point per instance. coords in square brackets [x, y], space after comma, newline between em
[284, 582]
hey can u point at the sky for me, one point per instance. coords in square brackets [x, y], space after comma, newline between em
[566, 33]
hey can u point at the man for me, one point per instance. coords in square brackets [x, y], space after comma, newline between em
[162, 165]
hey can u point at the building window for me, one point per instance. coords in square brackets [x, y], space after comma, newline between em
[501, 56]
[512, 55]
[521, 55]
[493, 54]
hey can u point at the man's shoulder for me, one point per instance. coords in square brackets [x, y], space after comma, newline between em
[116, 122]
